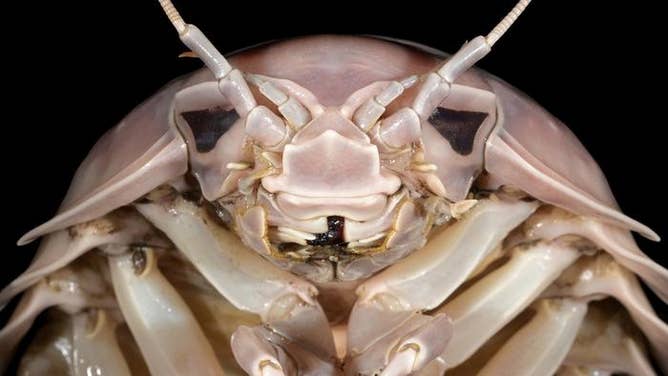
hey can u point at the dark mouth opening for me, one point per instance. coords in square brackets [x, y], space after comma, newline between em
[334, 234]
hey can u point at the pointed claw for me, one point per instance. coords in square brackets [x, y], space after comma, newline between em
[370, 322]
[394, 343]
[79, 344]
[257, 356]
[263, 352]
[96, 349]
[421, 346]
[33, 302]
[60, 248]
[540, 346]
[302, 323]
[68, 289]
[168, 335]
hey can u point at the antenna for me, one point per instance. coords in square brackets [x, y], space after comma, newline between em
[437, 85]
[192, 37]
[231, 82]
[173, 15]
[479, 47]
[506, 22]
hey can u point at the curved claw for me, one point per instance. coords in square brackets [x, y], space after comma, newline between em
[168, 335]
[302, 323]
[33, 302]
[81, 344]
[61, 248]
[262, 352]
[69, 289]
[394, 343]
[97, 349]
[257, 356]
[421, 346]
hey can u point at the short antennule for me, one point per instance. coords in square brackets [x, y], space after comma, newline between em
[192, 37]
[437, 85]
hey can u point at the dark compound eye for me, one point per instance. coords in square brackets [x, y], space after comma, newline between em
[209, 125]
[458, 127]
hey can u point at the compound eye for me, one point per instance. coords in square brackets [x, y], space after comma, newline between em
[207, 126]
[458, 127]
[213, 129]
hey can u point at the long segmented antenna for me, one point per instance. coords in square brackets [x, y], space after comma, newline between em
[173, 15]
[506, 22]
[231, 82]
[437, 85]
[192, 37]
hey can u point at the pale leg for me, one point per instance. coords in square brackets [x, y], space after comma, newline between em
[425, 279]
[167, 333]
[283, 301]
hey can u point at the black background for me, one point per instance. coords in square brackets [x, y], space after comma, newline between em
[71, 71]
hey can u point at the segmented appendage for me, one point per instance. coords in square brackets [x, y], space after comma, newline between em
[173, 15]
[506, 22]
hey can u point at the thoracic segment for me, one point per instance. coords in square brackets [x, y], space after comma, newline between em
[551, 291]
